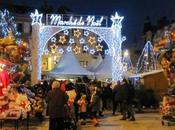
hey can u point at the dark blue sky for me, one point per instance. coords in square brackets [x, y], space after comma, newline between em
[134, 11]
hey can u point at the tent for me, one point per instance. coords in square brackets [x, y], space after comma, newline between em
[67, 66]
[104, 70]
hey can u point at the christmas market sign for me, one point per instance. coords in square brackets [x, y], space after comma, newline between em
[65, 20]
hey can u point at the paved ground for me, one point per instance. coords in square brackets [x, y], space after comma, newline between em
[148, 121]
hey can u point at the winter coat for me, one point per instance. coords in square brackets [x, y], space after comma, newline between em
[95, 103]
[56, 101]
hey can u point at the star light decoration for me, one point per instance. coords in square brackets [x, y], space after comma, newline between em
[116, 20]
[53, 48]
[107, 52]
[66, 32]
[46, 52]
[92, 51]
[85, 48]
[69, 49]
[61, 51]
[36, 18]
[53, 39]
[77, 50]
[77, 33]
[92, 40]
[82, 41]
[99, 47]
[62, 39]
[71, 41]
[86, 33]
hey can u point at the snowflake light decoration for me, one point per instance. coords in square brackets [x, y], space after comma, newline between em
[36, 18]
[77, 50]
[62, 39]
[99, 39]
[69, 49]
[86, 33]
[77, 33]
[92, 51]
[66, 32]
[82, 41]
[71, 41]
[61, 51]
[107, 52]
[99, 47]
[92, 40]
[85, 48]
[53, 39]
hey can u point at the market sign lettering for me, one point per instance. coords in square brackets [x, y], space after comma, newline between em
[59, 20]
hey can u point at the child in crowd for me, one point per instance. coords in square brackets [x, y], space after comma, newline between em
[82, 102]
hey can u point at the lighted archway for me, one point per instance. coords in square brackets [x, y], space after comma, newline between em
[42, 33]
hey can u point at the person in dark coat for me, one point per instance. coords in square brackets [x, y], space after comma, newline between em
[56, 101]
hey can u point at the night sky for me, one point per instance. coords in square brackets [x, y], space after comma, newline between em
[135, 11]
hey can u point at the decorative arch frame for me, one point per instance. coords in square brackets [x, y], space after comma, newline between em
[41, 34]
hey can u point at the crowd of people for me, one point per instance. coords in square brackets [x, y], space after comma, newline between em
[85, 99]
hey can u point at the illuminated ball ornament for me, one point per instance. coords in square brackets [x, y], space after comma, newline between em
[92, 40]
[99, 47]
[77, 33]
[62, 39]
[77, 50]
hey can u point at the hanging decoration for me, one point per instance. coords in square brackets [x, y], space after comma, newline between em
[71, 41]
[69, 49]
[99, 47]
[77, 33]
[99, 39]
[36, 18]
[77, 50]
[53, 48]
[92, 51]
[66, 32]
[62, 39]
[82, 41]
[107, 52]
[53, 39]
[92, 40]
[61, 51]
[86, 48]
[86, 33]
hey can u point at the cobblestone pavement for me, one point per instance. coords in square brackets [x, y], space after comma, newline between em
[147, 121]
